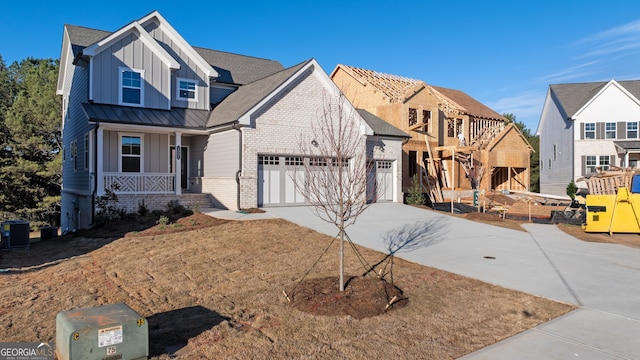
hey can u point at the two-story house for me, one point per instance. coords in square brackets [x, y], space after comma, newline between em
[456, 141]
[587, 126]
[157, 120]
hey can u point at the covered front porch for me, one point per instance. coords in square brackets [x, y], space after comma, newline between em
[144, 165]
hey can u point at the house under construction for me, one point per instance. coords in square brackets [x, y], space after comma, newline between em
[457, 143]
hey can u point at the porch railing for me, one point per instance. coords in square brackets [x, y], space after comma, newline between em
[147, 183]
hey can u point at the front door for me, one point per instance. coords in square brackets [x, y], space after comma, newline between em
[184, 162]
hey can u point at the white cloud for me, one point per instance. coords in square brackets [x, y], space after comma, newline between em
[574, 72]
[619, 39]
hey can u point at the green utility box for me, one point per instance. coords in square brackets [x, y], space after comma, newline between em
[111, 331]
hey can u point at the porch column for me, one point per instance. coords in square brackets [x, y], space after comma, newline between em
[99, 161]
[178, 168]
[626, 159]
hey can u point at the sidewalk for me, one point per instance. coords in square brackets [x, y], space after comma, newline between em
[602, 279]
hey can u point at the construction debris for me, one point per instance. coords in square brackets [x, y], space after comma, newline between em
[607, 182]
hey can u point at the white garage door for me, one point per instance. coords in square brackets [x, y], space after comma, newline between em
[384, 178]
[380, 181]
[275, 180]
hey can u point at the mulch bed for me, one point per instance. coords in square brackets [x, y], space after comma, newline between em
[362, 297]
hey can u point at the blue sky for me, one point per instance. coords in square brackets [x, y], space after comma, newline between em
[503, 53]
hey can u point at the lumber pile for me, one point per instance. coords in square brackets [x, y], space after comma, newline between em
[607, 182]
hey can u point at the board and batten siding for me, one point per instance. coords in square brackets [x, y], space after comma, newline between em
[188, 70]
[130, 52]
[155, 152]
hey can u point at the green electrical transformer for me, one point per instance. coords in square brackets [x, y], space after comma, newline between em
[109, 332]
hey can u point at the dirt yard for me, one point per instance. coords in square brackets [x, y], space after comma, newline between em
[216, 289]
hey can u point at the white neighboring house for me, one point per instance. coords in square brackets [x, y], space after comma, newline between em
[585, 126]
[167, 121]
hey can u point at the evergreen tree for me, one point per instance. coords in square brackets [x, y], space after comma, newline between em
[31, 171]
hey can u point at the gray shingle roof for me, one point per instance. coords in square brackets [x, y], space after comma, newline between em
[232, 68]
[176, 117]
[572, 97]
[247, 96]
[238, 69]
[381, 127]
[81, 37]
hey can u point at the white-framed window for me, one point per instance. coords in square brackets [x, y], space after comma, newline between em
[555, 152]
[590, 130]
[610, 130]
[632, 130]
[131, 87]
[592, 162]
[131, 153]
[603, 162]
[186, 89]
[549, 164]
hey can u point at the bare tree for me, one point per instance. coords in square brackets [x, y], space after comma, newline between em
[334, 179]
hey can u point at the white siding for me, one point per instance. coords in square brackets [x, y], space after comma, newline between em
[611, 105]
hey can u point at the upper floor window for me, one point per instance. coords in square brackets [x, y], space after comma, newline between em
[187, 89]
[131, 153]
[610, 130]
[632, 130]
[590, 130]
[413, 116]
[131, 87]
[426, 117]
[555, 152]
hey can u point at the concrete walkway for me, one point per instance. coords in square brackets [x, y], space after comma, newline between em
[602, 279]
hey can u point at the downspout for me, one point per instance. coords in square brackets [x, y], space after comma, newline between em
[236, 127]
[95, 172]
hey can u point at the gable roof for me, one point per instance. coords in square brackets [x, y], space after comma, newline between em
[509, 128]
[167, 29]
[381, 127]
[143, 35]
[573, 96]
[231, 68]
[399, 88]
[470, 105]
[241, 101]
[393, 87]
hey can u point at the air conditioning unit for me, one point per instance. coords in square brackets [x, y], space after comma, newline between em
[15, 234]
[111, 331]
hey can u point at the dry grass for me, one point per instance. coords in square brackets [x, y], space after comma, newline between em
[631, 240]
[219, 289]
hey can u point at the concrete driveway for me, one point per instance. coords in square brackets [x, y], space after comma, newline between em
[602, 279]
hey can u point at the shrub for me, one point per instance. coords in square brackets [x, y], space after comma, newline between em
[572, 189]
[163, 220]
[142, 208]
[415, 197]
[107, 203]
